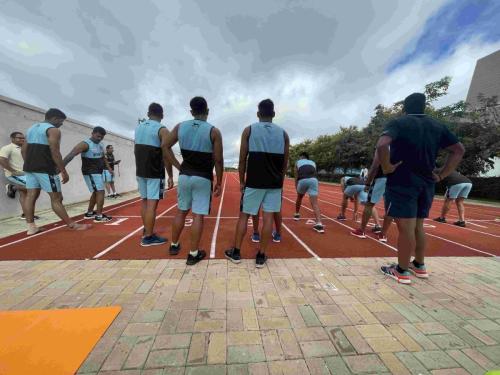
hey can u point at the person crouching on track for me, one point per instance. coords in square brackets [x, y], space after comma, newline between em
[42, 163]
[151, 160]
[262, 167]
[201, 148]
[307, 182]
[93, 163]
[353, 189]
[375, 189]
[458, 188]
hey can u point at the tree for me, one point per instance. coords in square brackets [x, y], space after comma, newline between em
[350, 151]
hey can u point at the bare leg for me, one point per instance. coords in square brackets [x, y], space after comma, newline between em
[112, 184]
[241, 230]
[420, 241]
[58, 207]
[314, 204]
[367, 213]
[255, 223]
[22, 198]
[31, 197]
[344, 204]
[144, 206]
[386, 225]
[375, 216]
[406, 240]
[267, 229]
[461, 208]
[92, 202]
[149, 216]
[277, 222]
[298, 202]
[99, 198]
[107, 187]
[446, 207]
[178, 225]
[196, 231]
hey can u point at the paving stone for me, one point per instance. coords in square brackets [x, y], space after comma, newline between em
[447, 341]
[272, 346]
[491, 352]
[317, 366]
[373, 330]
[362, 364]
[309, 316]
[485, 324]
[138, 355]
[450, 371]
[148, 316]
[244, 338]
[412, 363]
[175, 341]
[431, 328]
[289, 344]
[273, 323]
[310, 334]
[168, 371]
[292, 367]
[478, 358]
[466, 362]
[317, 348]
[119, 354]
[250, 322]
[237, 369]
[198, 349]
[169, 357]
[258, 369]
[342, 344]
[384, 344]
[206, 370]
[434, 360]
[142, 329]
[356, 340]
[393, 364]
[245, 354]
[210, 326]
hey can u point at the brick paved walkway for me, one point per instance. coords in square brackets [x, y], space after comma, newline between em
[338, 316]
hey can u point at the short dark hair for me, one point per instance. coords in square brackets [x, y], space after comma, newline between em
[198, 105]
[13, 134]
[155, 109]
[414, 103]
[100, 130]
[266, 107]
[304, 154]
[108, 147]
[55, 113]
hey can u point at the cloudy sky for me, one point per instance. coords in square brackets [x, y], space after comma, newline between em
[324, 63]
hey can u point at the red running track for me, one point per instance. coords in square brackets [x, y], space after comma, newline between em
[120, 238]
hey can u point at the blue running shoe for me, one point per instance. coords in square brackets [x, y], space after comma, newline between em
[255, 237]
[276, 237]
[153, 240]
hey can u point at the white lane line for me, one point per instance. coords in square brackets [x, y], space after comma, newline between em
[216, 229]
[469, 229]
[477, 225]
[108, 249]
[62, 226]
[459, 244]
[304, 245]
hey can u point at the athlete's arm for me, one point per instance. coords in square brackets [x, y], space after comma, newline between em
[384, 154]
[168, 155]
[78, 149]
[373, 169]
[242, 167]
[5, 163]
[287, 152]
[54, 139]
[218, 156]
[167, 143]
[455, 154]
[296, 175]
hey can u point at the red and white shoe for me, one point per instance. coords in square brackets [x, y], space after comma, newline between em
[392, 272]
[358, 233]
[420, 271]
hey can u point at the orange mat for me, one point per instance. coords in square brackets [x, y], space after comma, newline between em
[50, 341]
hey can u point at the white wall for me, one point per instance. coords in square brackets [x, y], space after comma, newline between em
[18, 116]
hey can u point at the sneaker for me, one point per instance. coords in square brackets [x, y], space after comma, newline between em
[440, 219]
[377, 229]
[116, 195]
[191, 260]
[276, 237]
[35, 230]
[392, 272]
[419, 271]
[260, 260]
[174, 249]
[23, 217]
[89, 215]
[341, 218]
[255, 237]
[102, 218]
[233, 255]
[358, 233]
[153, 240]
[296, 217]
[382, 238]
[319, 228]
[459, 223]
[10, 190]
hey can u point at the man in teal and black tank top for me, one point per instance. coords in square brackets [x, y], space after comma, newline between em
[201, 149]
[263, 162]
[93, 164]
[42, 164]
[151, 161]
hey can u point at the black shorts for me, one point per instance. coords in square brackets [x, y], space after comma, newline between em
[409, 201]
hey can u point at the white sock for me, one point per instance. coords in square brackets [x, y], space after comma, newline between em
[193, 253]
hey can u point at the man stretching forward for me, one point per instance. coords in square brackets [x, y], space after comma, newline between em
[263, 162]
[93, 164]
[407, 150]
[201, 148]
[307, 182]
[151, 158]
[42, 161]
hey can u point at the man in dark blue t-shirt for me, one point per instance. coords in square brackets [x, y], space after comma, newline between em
[407, 149]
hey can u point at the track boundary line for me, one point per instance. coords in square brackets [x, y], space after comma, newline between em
[472, 230]
[217, 222]
[109, 248]
[62, 226]
[459, 244]
[304, 245]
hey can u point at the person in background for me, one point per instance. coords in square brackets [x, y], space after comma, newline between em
[458, 188]
[363, 174]
[353, 189]
[109, 177]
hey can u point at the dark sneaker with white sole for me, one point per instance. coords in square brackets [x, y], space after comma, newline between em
[459, 223]
[319, 228]
[89, 215]
[440, 220]
[276, 237]
[153, 240]
[233, 255]
[377, 229]
[174, 249]
[296, 217]
[102, 218]
[192, 260]
[341, 218]
[260, 260]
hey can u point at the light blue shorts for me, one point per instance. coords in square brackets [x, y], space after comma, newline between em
[252, 199]
[18, 180]
[308, 185]
[46, 182]
[352, 190]
[94, 182]
[194, 193]
[459, 190]
[107, 177]
[376, 192]
[151, 188]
